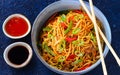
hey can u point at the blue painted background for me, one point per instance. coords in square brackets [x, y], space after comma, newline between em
[31, 8]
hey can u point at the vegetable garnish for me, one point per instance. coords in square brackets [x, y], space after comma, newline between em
[63, 17]
[47, 29]
[75, 31]
[62, 46]
[92, 37]
[78, 42]
[63, 24]
[78, 53]
[69, 27]
[50, 36]
[61, 58]
[72, 56]
[77, 61]
[47, 49]
[78, 17]
[70, 39]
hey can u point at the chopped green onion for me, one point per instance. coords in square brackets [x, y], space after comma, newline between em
[61, 59]
[69, 27]
[47, 29]
[47, 49]
[77, 61]
[79, 16]
[78, 42]
[92, 37]
[78, 53]
[75, 31]
[50, 36]
[62, 46]
[81, 43]
[63, 17]
[75, 42]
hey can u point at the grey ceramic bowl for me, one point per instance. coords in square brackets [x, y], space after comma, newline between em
[56, 7]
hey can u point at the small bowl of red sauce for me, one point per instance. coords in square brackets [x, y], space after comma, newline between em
[16, 26]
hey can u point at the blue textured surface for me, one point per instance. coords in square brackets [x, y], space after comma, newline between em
[31, 8]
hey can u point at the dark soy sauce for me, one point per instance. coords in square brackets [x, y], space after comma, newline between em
[18, 55]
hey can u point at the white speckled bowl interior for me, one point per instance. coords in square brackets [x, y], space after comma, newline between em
[59, 6]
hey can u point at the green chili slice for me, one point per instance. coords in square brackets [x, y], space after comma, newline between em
[76, 30]
[47, 49]
[69, 27]
[47, 29]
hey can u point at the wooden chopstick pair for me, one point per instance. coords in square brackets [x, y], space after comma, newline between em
[97, 29]
[97, 34]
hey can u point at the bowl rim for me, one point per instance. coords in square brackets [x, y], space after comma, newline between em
[109, 37]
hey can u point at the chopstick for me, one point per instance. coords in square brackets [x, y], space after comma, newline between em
[97, 34]
[101, 33]
[95, 23]
[94, 19]
[103, 36]
[109, 46]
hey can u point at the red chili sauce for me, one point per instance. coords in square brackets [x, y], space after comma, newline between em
[16, 26]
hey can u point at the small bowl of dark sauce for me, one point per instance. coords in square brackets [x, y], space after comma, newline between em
[18, 54]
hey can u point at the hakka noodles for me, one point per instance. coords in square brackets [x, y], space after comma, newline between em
[68, 41]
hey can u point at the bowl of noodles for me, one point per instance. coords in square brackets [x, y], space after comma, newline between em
[64, 40]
